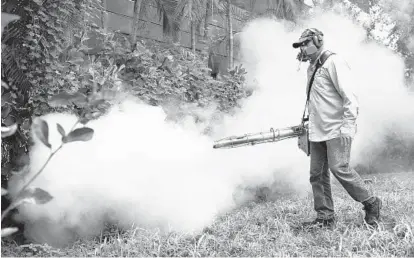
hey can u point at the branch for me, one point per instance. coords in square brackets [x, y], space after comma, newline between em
[14, 203]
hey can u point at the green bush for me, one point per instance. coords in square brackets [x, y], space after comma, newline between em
[28, 194]
[35, 65]
[163, 73]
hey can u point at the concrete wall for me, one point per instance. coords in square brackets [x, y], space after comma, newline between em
[119, 17]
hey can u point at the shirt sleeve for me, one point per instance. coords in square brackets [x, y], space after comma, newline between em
[342, 80]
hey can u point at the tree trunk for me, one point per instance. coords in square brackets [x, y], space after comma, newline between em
[230, 32]
[192, 27]
[135, 22]
[104, 16]
[207, 18]
[193, 37]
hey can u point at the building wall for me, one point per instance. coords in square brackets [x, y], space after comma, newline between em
[119, 17]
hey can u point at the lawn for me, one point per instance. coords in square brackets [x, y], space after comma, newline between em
[267, 227]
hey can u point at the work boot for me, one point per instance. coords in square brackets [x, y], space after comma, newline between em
[372, 209]
[319, 223]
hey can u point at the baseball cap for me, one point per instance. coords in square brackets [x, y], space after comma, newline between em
[307, 35]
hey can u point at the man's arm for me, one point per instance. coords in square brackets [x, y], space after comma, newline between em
[341, 76]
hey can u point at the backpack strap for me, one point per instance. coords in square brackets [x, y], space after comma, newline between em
[319, 64]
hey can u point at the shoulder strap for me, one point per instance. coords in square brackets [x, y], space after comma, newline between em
[319, 63]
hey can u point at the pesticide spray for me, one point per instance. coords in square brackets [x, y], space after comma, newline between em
[140, 170]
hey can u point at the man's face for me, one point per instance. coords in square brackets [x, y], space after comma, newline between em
[309, 48]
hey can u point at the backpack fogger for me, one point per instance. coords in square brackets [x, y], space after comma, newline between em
[275, 135]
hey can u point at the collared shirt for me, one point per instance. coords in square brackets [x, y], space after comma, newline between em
[333, 106]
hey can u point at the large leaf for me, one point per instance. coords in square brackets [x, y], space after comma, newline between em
[79, 134]
[34, 196]
[7, 131]
[8, 231]
[41, 130]
[5, 110]
[61, 130]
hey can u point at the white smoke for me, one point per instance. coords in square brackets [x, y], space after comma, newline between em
[136, 169]
[141, 170]
[402, 11]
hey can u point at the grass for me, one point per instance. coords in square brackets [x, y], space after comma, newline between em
[267, 228]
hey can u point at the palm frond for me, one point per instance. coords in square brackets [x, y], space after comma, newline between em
[237, 12]
[11, 70]
[15, 32]
[180, 9]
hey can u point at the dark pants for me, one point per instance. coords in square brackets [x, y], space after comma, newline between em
[332, 155]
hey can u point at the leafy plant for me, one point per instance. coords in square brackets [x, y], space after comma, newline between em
[39, 196]
[89, 106]
[159, 74]
[40, 128]
[49, 47]
[10, 129]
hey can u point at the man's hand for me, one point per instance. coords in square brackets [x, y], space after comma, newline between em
[346, 140]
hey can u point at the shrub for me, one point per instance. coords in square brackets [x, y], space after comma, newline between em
[163, 73]
[28, 194]
[35, 65]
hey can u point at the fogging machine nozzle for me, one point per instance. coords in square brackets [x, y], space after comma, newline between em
[274, 135]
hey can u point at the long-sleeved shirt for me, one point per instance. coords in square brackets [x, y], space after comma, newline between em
[333, 106]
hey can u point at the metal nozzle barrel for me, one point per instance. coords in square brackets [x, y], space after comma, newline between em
[258, 138]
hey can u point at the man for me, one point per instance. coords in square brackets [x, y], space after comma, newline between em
[333, 110]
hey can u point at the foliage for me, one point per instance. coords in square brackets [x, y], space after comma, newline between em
[46, 47]
[45, 42]
[159, 74]
[59, 60]
[284, 9]
[402, 12]
[172, 12]
[41, 129]
[7, 130]
[388, 22]
[37, 195]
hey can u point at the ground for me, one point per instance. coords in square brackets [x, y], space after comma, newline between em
[267, 228]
